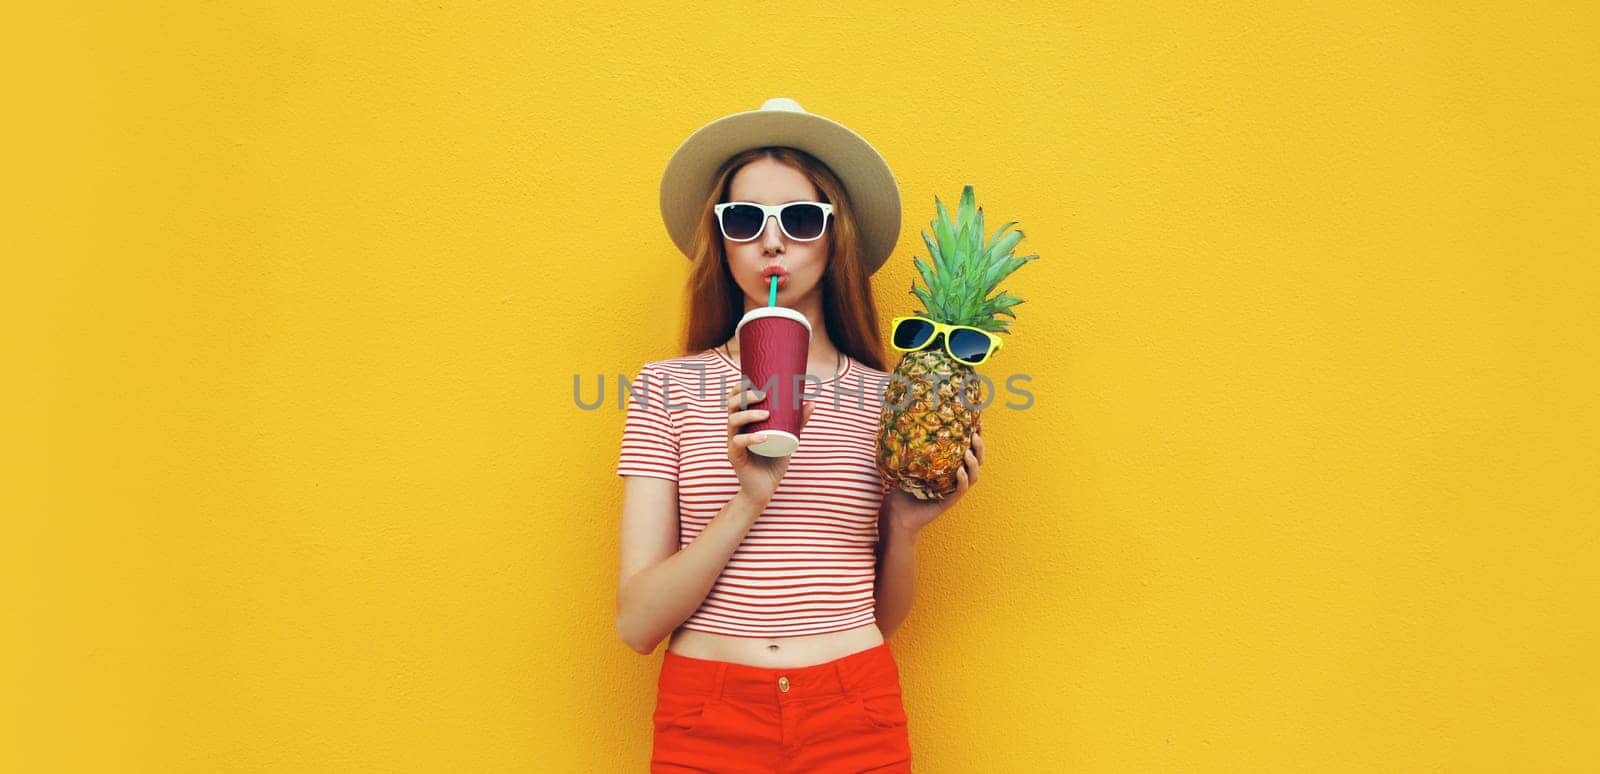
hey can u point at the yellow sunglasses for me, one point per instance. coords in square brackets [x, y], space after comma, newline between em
[964, 343]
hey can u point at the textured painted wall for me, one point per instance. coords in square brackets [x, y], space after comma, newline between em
[297, 295]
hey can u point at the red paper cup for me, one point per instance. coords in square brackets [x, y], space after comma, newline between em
[773, 344]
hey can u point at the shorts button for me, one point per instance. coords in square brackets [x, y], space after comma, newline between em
[783, 684]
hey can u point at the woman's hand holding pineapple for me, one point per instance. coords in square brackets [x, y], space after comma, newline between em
[906, 513]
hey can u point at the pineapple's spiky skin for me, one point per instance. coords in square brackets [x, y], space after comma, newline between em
[922, 445]
[923, 438]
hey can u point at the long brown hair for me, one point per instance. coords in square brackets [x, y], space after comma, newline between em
[715, 302]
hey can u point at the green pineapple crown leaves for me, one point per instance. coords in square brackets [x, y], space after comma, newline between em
[967, 268]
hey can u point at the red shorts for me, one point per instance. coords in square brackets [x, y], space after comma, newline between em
[841, 716]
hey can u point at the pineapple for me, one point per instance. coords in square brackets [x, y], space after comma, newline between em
[923, 438]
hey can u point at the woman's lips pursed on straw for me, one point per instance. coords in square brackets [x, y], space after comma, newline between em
[768, 273]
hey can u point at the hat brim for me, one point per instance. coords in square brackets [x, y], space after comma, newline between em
[866, 176]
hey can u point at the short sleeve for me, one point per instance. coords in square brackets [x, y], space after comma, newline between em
[649, 439]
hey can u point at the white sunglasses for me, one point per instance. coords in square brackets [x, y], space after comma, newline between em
[800, 221]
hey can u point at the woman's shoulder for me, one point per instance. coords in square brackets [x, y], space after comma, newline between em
[861, 372]
[867, 370]
[706, 362]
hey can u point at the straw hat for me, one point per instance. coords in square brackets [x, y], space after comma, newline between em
[781, 121]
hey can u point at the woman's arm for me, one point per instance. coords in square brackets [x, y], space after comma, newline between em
[897, 573]
[659, 586]
[900, 519]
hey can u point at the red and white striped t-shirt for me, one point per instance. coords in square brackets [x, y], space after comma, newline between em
[807, 565]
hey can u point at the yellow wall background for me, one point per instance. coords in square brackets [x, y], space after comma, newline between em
[297, 294]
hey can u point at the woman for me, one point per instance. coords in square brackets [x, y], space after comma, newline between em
[778, 579]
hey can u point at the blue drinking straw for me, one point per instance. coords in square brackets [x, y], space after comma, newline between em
[772, 296]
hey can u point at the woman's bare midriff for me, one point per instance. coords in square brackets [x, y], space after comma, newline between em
[775, 652]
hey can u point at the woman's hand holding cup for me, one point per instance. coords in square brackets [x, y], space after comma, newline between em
[758, 475]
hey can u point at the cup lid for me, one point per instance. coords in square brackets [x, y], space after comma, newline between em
[773, 311]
